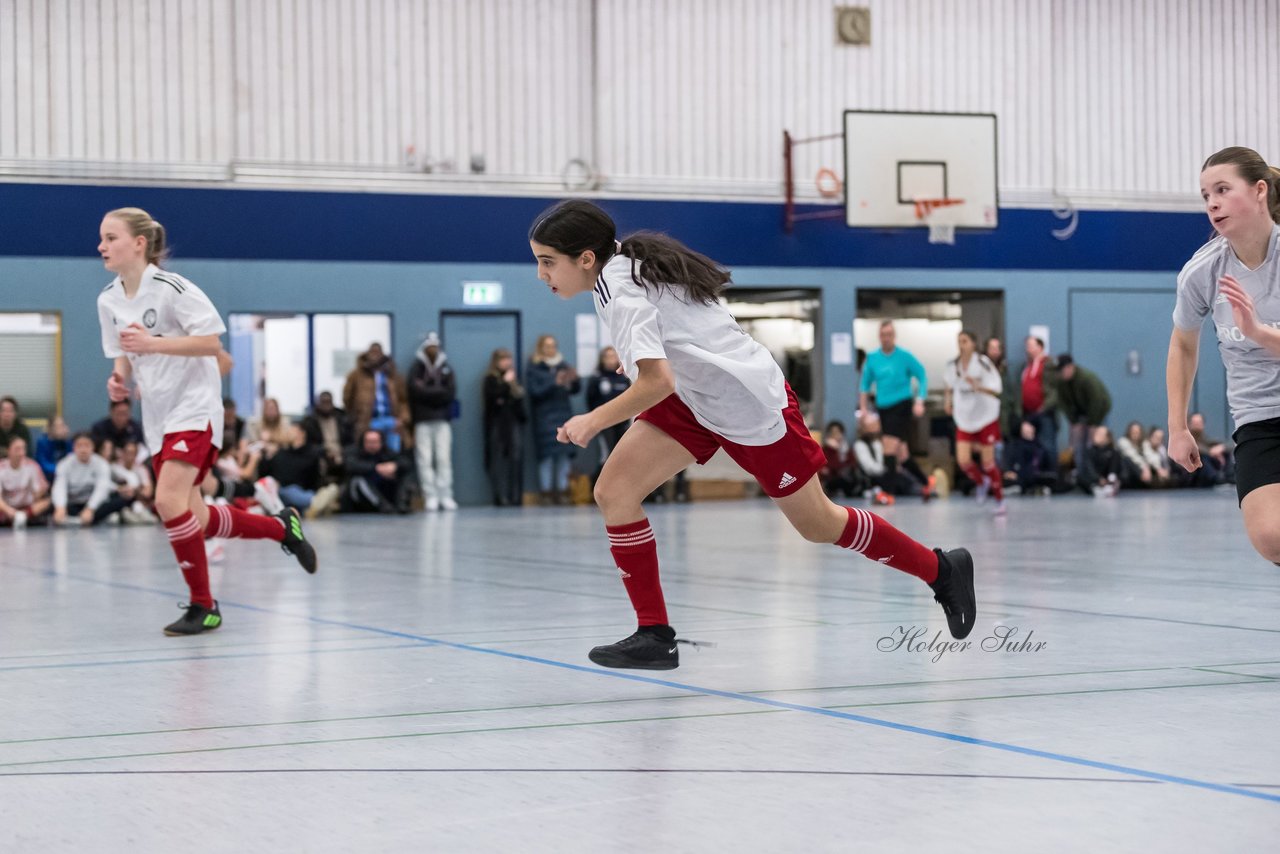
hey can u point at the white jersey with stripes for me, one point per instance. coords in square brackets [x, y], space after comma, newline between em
[179, 393]
[727, 379]
[1253, 373]
[973, 409]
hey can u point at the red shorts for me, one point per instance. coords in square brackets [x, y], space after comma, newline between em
[190, 446]
[780, 469]
[988, 435]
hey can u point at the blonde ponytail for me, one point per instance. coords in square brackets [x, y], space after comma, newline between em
[141, 224]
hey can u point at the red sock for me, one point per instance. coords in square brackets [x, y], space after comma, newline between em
[229, 522]
[996, 479]
[188, 546]
[972, 472]
[876, 539]
[636, 554]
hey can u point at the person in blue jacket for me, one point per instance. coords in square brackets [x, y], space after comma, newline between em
[551, 382]
[890, 371]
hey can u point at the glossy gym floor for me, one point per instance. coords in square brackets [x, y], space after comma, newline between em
[428, 689]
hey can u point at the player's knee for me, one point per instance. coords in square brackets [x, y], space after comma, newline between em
[170, 506]
[609, 495]
[1267, 543]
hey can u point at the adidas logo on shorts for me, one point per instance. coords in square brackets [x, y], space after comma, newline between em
[786, 481]
[181, 446]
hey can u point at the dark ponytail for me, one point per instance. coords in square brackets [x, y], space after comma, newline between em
[575, 226]
[1253, 169]
[666, 261]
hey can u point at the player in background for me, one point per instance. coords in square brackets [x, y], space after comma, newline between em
[162, 333]
[973, 401]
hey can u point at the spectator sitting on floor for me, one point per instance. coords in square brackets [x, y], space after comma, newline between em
[841, 473]
[1104, 463]
[295, 467]
[24, 492]
[1215, 458]
[10, 424]
[1135, 471]
[329, 426]
[118, 427]
[1030, 463]
[270, 430]
[129, 469]
[869, 450]
[82, 486]
[377, 479]
[1157, 456]
[53, 446]
[233, 428]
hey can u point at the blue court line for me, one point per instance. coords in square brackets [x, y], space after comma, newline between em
[733, 695]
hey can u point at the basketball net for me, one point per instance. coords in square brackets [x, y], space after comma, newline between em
[941, 216]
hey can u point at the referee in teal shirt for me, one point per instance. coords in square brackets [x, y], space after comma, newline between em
[890, 370]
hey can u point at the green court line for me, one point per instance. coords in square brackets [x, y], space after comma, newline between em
[664, 697]
[570, 724]
[361, 738]
[1231, 673]
[184, 645]
[1044, 694]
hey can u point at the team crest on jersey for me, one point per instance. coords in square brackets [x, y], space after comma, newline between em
[149, 318]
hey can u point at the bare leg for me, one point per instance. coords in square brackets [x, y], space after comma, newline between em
[644, 459]
[1261, 509]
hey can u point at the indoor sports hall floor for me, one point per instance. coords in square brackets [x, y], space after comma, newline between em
[429, 689]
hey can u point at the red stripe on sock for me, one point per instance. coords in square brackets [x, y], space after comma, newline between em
[635, 552]
[233, 522]
[876, 539]
[188, 548]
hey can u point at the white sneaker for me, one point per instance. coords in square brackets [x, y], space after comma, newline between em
[433, 503]
[327, 498]
[267, 491]
[19, 520]
[1000, 509]
[980, 492]
[448, 504]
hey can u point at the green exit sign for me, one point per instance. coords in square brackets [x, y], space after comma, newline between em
[482, 293]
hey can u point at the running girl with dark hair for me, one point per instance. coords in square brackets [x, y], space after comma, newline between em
[699, 383]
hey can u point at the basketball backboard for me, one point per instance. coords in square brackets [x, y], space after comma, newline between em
[894, 160]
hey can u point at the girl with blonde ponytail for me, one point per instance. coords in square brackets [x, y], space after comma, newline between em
[162, 333]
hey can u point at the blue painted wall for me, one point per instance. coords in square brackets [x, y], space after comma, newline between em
[262, 251]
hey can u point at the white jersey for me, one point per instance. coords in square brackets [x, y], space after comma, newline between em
[727, 379]
[179, 393]
[1253, 373]
[973, 409]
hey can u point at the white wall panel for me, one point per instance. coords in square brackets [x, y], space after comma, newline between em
[1099, 100]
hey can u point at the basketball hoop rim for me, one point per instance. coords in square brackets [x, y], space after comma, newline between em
[924, 207]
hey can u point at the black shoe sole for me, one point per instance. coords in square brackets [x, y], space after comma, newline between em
[962, 565]
[199, 631]
[608, 659]
[306, 556]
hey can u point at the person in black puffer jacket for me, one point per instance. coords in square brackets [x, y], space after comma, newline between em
[433, 388]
